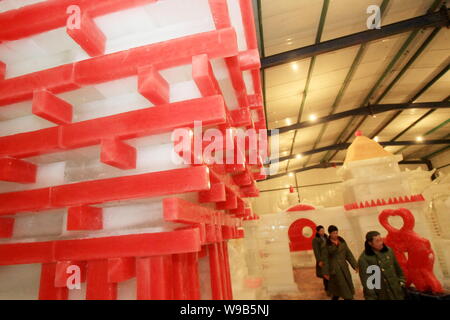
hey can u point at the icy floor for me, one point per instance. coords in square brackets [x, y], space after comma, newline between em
[310, 287]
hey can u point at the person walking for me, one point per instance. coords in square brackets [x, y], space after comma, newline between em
[391, 281]
[317, 243]
[335, 254]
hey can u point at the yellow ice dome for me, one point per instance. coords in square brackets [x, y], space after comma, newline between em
[364, 148]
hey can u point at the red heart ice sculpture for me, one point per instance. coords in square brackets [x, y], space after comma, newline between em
[418, 263]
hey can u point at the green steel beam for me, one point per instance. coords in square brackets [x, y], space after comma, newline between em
[258, 6]
[394, 61]
[415, 97]
[386, 72]
[435, 153]
[348, 78]
[441, 125]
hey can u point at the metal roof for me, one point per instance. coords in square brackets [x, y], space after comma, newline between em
[320, 60]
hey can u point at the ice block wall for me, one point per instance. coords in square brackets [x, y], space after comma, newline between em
[246, 285]
[373, 185]
[274, 253]
[90, 92]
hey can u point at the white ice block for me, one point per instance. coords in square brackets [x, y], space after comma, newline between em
[39, 226]
[119, 218]
[20, 282]
[154, 154]
[48, 175]
[138, 26]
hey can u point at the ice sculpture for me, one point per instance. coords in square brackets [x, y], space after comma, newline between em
[413, 252]
[372, 183]
[90, 92]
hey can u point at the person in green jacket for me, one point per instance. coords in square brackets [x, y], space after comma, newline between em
[335, 255]
[378, 260]
[317, 242]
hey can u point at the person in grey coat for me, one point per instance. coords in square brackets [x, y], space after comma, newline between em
[317, 243]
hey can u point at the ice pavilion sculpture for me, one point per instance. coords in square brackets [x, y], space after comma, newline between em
[90, 92]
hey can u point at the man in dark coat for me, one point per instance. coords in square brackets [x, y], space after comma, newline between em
[378, 260]
[317, 242]
[335, 255]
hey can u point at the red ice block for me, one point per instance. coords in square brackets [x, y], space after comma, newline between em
[118, 154]
[134, 245]
[243, 179]
[53, 14]
[55, 80]
[84, 218]
[211, 234]
[47, 288]
[248, 21]
[229, 203]
[99, 191]
[155, 120]
[219, 11]
[241, 117]
[131, 187]
[255, 101]
[153, 86]
[88, 36]
[97, 285]
[162, 55]
[249, 60]
[65, 273]
[180, 290]
[26, 253]
[193, 276]
[6, 227]
[182, 211]
[240, 209]
[227, 270]
[203, 75]
[216, 279]
[19, 171]
[49, 107]
[22, 201]
[121, 269]
[145, 122]
[250, 191]
[223, 265]
[215, 194]
[30, 143]
[154, 278]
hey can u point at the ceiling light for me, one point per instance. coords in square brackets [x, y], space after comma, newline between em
[294, 66]
[376, 139]
[419, 139]
[290, 174]
[312, 117]
[298, 156]
[288, 121]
